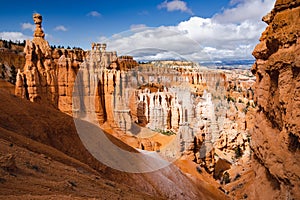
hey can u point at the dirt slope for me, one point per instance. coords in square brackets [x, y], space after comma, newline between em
[41, 156]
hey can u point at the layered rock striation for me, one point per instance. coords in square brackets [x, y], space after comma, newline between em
[276, 135]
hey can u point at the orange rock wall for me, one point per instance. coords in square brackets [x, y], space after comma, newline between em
[276, 135]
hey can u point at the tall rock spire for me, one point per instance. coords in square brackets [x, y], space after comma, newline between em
[37, 19]
[38, 81]
[39, 36]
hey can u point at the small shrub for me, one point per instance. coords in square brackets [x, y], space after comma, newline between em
[237, 177]
[248, 104]
[167, 132]
[198, 168]
[72, 183]
[238, 152]
[13, 76]
[226, 178]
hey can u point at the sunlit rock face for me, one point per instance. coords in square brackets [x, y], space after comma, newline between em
[38, 81]
[47, 74]
[67, 65]
[189, 103]
[277, 122]
[178, 103]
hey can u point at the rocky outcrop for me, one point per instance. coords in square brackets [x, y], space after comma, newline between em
[11, 54]
[126, 63]
[209, 125]
[10, 62]
[38, 81]
[67, 63]
[276, 135]
[225, 138]
[48, 75]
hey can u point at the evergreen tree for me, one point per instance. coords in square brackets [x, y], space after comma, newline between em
[5, 45]
[9, 44]
[3, 70]
[13, 75]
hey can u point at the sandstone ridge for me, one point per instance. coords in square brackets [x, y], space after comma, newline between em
[276, 135]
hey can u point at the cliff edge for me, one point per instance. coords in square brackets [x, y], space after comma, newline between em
[276, 135]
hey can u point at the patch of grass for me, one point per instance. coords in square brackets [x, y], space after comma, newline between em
[167, 132]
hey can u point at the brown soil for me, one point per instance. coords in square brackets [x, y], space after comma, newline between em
[41, 171]
[42, 157]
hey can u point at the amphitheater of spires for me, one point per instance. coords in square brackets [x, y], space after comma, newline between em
[122, 94]
[212, 117]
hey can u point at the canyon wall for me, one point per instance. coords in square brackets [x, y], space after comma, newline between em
[11, 54]
[276, 134]
[168, 100]
[207, 111]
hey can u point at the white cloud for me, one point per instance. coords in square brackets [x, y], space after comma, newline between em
[209, 32]
[94, 14]
[14, 36]
[234, 2]
[175, 5]
[60, 28]
[194, 39]
[134, 27]
[216, 38]
[161, 39]
[245, 10]
[28, 26]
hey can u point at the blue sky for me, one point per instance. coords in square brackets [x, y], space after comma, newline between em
[221, 29]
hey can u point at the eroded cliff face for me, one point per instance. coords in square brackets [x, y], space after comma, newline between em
[11, 54]
[276, 135]
[46, 73]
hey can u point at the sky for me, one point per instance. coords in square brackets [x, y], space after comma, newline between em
[196, 30]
